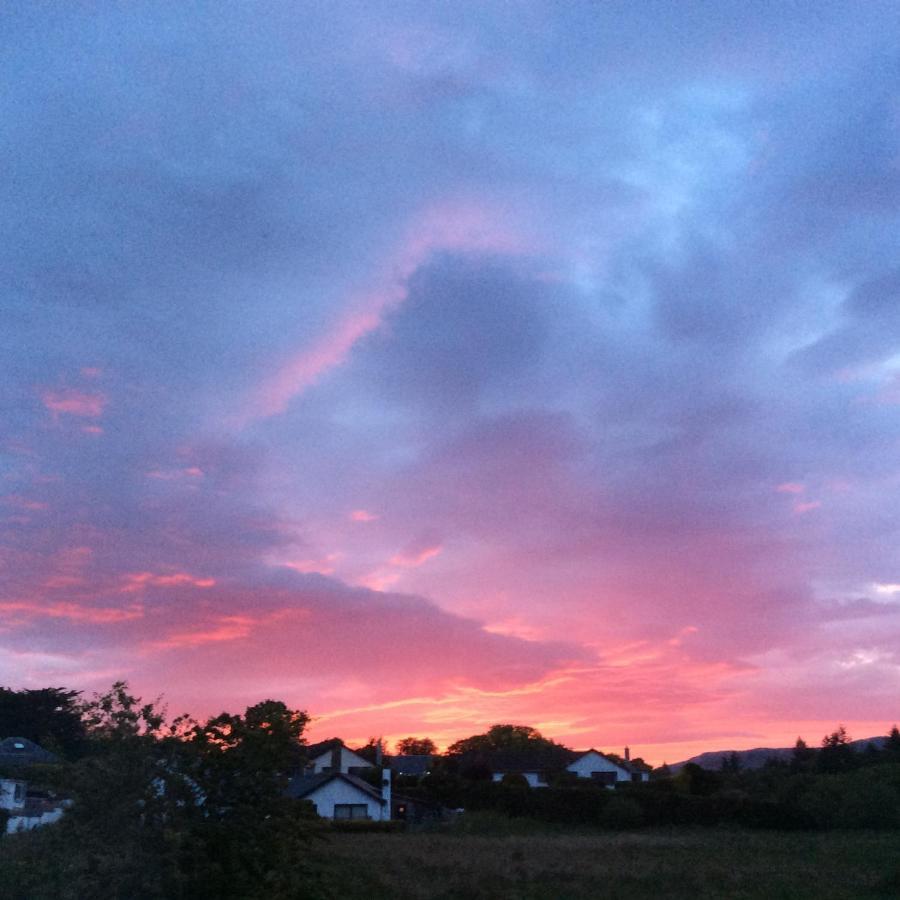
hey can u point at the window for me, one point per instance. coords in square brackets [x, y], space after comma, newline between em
[604, 777]
[18, 793]
[636, 776]
[351, 811]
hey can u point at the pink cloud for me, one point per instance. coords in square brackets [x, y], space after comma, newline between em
[73, 402]
[323, 566]
[411, 559]
[801, 508]
[175, 474]
[363, 515]
[227, 628]
[791, 487]
[137, 581]
[460, 226]
[73, 611]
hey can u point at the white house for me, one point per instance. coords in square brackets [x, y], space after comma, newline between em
[27, 812]
[333, 756]
[596, 765]
[337, 795]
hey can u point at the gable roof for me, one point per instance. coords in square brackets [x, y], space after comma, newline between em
[301, 786]
[316, 751]
[624, 765]
[19, 751]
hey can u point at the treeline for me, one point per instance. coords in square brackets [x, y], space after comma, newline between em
[833, 786]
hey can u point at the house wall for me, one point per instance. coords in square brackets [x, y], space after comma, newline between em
[534, 779]
[594, 762]
[339, 791]
[26, 823]
[349, 760]
[8, 798]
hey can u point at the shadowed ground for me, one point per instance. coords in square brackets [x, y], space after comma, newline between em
[570, 866]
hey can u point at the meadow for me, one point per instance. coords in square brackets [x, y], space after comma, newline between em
[556, 864]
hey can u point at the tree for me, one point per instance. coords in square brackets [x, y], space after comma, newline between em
[502, 737]
[247, 760]
[892, 745]
[51, 717]
[803, 757]
[836, 754]
[372, 750]
[413, 746]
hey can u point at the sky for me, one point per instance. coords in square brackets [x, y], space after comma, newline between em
[433, 365]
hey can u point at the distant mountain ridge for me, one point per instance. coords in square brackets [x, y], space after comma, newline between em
[756, 758]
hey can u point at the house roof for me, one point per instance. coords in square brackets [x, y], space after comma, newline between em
[19, 751]
[314, 751]
[625, 765]
[303, 785]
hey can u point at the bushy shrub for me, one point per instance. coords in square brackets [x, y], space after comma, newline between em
[366, 826]
[622, 813]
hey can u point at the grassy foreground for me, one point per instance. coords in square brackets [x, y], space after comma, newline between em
[555, 865]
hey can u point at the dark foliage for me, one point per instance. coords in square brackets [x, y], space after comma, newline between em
[51, 717]
[180, 810]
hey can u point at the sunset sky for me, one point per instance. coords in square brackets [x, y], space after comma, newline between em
[432, 365]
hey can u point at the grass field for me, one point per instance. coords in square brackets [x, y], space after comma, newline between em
[557, 865]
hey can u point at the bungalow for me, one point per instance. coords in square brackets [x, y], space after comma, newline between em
[607, 769]
[539, 766]
[342, 796]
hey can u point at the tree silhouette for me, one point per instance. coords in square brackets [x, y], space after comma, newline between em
[413, 746]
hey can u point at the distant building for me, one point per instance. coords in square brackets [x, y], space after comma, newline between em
[541, 765]
[415, 764]
[26, 810]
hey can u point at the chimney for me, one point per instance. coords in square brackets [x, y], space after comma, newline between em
[386, 794]
[627, 755]
[378, 752]
[336, 756]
